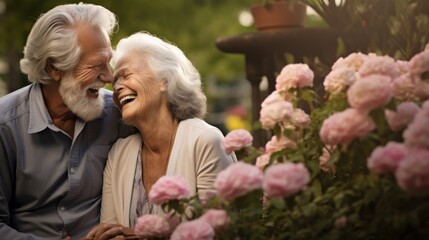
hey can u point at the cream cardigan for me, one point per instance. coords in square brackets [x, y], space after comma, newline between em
[196, 155]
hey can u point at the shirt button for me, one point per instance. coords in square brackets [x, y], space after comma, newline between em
[72, 170]
[62, 208]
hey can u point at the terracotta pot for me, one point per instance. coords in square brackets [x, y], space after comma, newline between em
[278, 15]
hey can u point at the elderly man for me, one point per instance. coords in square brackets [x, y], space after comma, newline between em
[55, 133]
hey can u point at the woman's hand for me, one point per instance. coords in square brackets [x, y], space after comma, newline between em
[105, 231]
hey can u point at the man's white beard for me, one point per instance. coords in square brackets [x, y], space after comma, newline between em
[76, 100]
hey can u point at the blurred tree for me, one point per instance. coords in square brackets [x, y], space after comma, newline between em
[193, 25]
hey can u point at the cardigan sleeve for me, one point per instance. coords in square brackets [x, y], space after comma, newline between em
[107, 214]
[210, 160]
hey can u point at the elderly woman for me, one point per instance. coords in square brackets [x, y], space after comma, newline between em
[159, 92]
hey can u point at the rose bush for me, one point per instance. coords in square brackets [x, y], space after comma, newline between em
[357, 167]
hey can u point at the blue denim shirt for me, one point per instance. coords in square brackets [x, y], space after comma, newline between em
[50, 184]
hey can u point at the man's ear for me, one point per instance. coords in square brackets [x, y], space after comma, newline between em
[53, 72]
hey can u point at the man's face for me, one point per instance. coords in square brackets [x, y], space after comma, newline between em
[80, 88]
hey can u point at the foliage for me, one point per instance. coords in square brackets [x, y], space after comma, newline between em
[347, 197]
[397, 28]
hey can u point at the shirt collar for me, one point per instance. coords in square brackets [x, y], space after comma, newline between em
[39, 115]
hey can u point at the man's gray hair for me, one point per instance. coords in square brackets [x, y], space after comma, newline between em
[54, 38]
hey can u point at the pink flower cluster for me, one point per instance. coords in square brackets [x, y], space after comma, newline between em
[408, 161]
[237, 180]
[285, 179]
[370, 92]
[203, 227]
[278, 143]
[339, 80]
[236, 140]
[386, 159]
[168, 188]
[371, 82]
[197, 229]
[280, 180]
[217, 218]
[294, 76]
[404, 115]
[343, 127]
[277, 108]
[152, 225]
[171, 188]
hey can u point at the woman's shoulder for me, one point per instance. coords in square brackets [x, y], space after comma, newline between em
[199, 129]
[123, 144]
[199, 126]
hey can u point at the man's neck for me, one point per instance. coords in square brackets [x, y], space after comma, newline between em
[61, 115]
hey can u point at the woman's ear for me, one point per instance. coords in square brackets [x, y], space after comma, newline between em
[163, 87]
[53, 72]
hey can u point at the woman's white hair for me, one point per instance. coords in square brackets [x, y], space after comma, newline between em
[53, 38]
[170, 65]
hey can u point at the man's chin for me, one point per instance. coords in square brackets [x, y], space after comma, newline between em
[89, 115]
[90, 110]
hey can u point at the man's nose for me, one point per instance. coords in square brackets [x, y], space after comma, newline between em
[107, 76]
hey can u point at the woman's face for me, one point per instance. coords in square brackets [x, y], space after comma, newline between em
[136, 90]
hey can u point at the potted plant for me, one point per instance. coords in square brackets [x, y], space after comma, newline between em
[273, 15]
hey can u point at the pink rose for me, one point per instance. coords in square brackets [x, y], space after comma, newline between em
[272, 98]
[296, 75]
[361, 95]
[278, 143]
[236, 140]
[386, 159]
[354, 61]
[379, 65]
[404, 87]
[168, 188]
[324, 158]
[419, 63]
[403, 67]
[416, 135]
[404, 114]
[274, 113]
[285, 179]
[217, 218]
[343, 127]
[300, 118]
[339, 79]
[237, 180]
[152, 226]
[410, 87]
[412, 174]
[197, 229]
[263, 160]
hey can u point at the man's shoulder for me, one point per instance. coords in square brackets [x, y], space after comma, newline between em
[14, 103]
